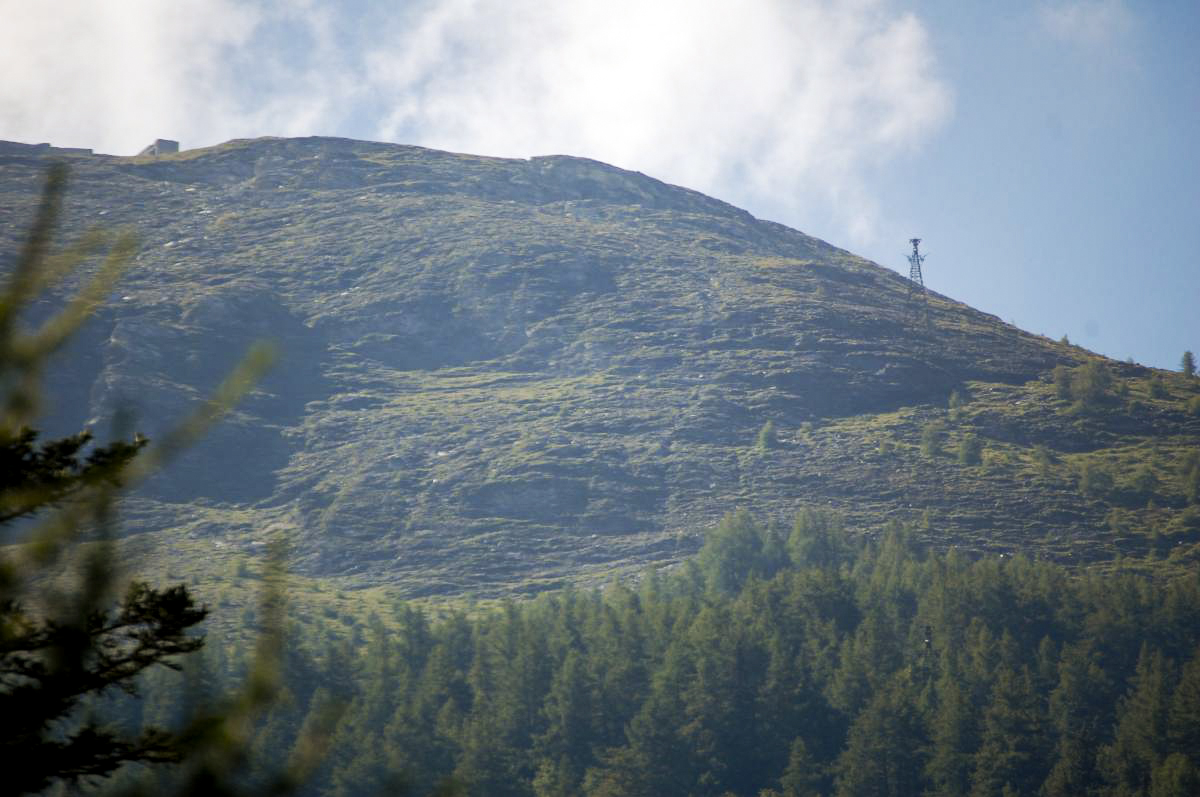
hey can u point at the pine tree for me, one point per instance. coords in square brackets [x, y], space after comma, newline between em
[721, 721]
[1076, 704]
[1140, 741]
[564, 749]
[1090, 384]
[1012, 752]
[818, 539]
[1177, 776]
[1183, 717]
[970, 450]
[767, 438]
[953, 738]
[1187, 365]
[883, 748]
[732, 552]
[96, 637]
[618, 659]
[932, 435]
[656, 759]
[51, 663]
[489, 759]
[803, 776]
[1062, 382]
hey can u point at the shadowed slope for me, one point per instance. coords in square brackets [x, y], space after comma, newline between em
[500, 373]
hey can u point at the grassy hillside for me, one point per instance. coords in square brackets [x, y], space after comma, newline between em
[500, 375]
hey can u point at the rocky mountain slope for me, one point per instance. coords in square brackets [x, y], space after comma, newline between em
[500, 374]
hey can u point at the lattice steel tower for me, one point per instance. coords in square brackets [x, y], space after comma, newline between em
[914, 267]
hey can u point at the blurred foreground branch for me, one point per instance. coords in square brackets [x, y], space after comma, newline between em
[68, 631]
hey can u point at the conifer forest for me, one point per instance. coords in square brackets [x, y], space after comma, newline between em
[333, 468]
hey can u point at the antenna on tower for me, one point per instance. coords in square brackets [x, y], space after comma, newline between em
[916, 283]
[914, 267]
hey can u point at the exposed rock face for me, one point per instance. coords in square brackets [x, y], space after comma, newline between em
[504, 370]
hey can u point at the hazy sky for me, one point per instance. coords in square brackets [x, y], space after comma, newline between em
[1045, 151]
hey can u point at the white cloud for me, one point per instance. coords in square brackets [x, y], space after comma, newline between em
[774, 104]
[113, 76]
[1091, 23]
[779, 105]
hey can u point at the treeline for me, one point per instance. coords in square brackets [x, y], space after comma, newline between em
[778, 662]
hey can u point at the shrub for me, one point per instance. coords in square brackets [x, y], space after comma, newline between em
[1044, 458]
[931, 438]
[970, 450]
[1194, 407]
[1144, 480]
[1190, 477]
[1090, 383]
[1117, 521]
[1158, 389]
[766, 437]
[1062, 382]
[956, 402]
[1095, 480]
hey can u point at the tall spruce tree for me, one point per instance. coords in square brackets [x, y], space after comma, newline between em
[1013, 750]
[1140, 739]
[1183, 718]
[56, 656]
[883, 754]
[71, 635]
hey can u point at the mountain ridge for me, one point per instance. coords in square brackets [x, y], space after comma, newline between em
[501, 374]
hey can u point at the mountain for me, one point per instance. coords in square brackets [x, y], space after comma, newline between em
[498, 375]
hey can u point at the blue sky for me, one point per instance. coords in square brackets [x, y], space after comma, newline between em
[1045, 151]
[1064, 194]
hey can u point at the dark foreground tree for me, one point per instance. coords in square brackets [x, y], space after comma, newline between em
[68, 633]
[49, 665]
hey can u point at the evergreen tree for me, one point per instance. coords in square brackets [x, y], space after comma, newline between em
[955, 404]
[1177, 776]
[720, 720]
[656, 759]
[1187, 365]
[71, 635]
[803, 776]
[1189, 477]
[565, 746]
[1012, 752]
[732, 552]
[970, 450]
[1062, 382]
[1140, 741]
[489, 759]
[767, 438]
[932, 435]
[1090, 384]
[1095, 480]
[883, 748]
[1075, 714]
[818, 539]
[953, 738]
[618, 663]
[53, 662]
[1183, 717]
